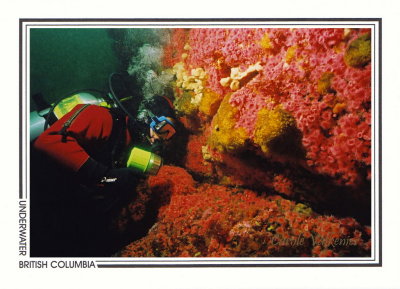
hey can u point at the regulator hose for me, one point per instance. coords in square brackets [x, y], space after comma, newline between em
[115, 98]
[136, 126]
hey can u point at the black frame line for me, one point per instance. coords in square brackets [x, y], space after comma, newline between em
[213, 22]
[20, 111]
[196, 19]
[380, 96]
[130, 266]
[186, 25]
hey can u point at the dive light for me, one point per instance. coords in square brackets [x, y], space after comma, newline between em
[144, 161]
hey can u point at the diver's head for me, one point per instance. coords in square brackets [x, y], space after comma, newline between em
[162, 119]
[163, 128]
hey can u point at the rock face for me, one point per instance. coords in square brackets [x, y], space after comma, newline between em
[217, 221]
[277, 118]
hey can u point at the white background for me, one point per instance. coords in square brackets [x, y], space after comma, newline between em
[387, 276]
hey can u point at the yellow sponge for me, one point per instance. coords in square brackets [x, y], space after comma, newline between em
[271, 124]
[224, 136]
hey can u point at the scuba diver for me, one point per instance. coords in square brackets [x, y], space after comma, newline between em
[86, 165]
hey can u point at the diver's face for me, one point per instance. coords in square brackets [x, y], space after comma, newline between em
[153, 136]
[165, 133]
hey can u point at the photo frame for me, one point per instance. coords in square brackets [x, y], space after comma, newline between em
[282, 178]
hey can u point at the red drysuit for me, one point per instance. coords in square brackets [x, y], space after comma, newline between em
[88, 134]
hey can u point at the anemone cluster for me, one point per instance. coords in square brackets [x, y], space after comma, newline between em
[258, 85]
[278, 118]
[210, 220]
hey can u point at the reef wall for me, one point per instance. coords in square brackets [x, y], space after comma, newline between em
[279, 143]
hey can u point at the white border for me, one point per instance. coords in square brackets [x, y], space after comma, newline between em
[194, 262]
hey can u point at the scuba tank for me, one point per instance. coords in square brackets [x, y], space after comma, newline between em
[40, 120]
[141, 160]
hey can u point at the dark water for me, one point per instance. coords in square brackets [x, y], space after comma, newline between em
[66, 59]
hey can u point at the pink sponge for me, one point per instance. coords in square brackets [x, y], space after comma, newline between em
[248, 103]
[304, 72]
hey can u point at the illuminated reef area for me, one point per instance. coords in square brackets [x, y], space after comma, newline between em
[219, 221]
[278, 154]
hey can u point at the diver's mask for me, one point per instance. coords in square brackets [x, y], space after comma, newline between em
[162, 126]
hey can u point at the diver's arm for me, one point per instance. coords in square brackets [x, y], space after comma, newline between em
[91, 128]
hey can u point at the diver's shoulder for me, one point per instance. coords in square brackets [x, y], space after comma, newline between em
[96, 109]
[95, 113]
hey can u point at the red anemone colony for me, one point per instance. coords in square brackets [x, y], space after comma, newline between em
[279, 144]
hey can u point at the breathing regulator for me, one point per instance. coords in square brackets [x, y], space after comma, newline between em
[139, 159]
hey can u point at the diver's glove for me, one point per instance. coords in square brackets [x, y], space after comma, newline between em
[93, 173]
[108, 187]
[121, 179]
[115, 189]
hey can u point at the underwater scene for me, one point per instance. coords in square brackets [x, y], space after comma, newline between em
[234, 142]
